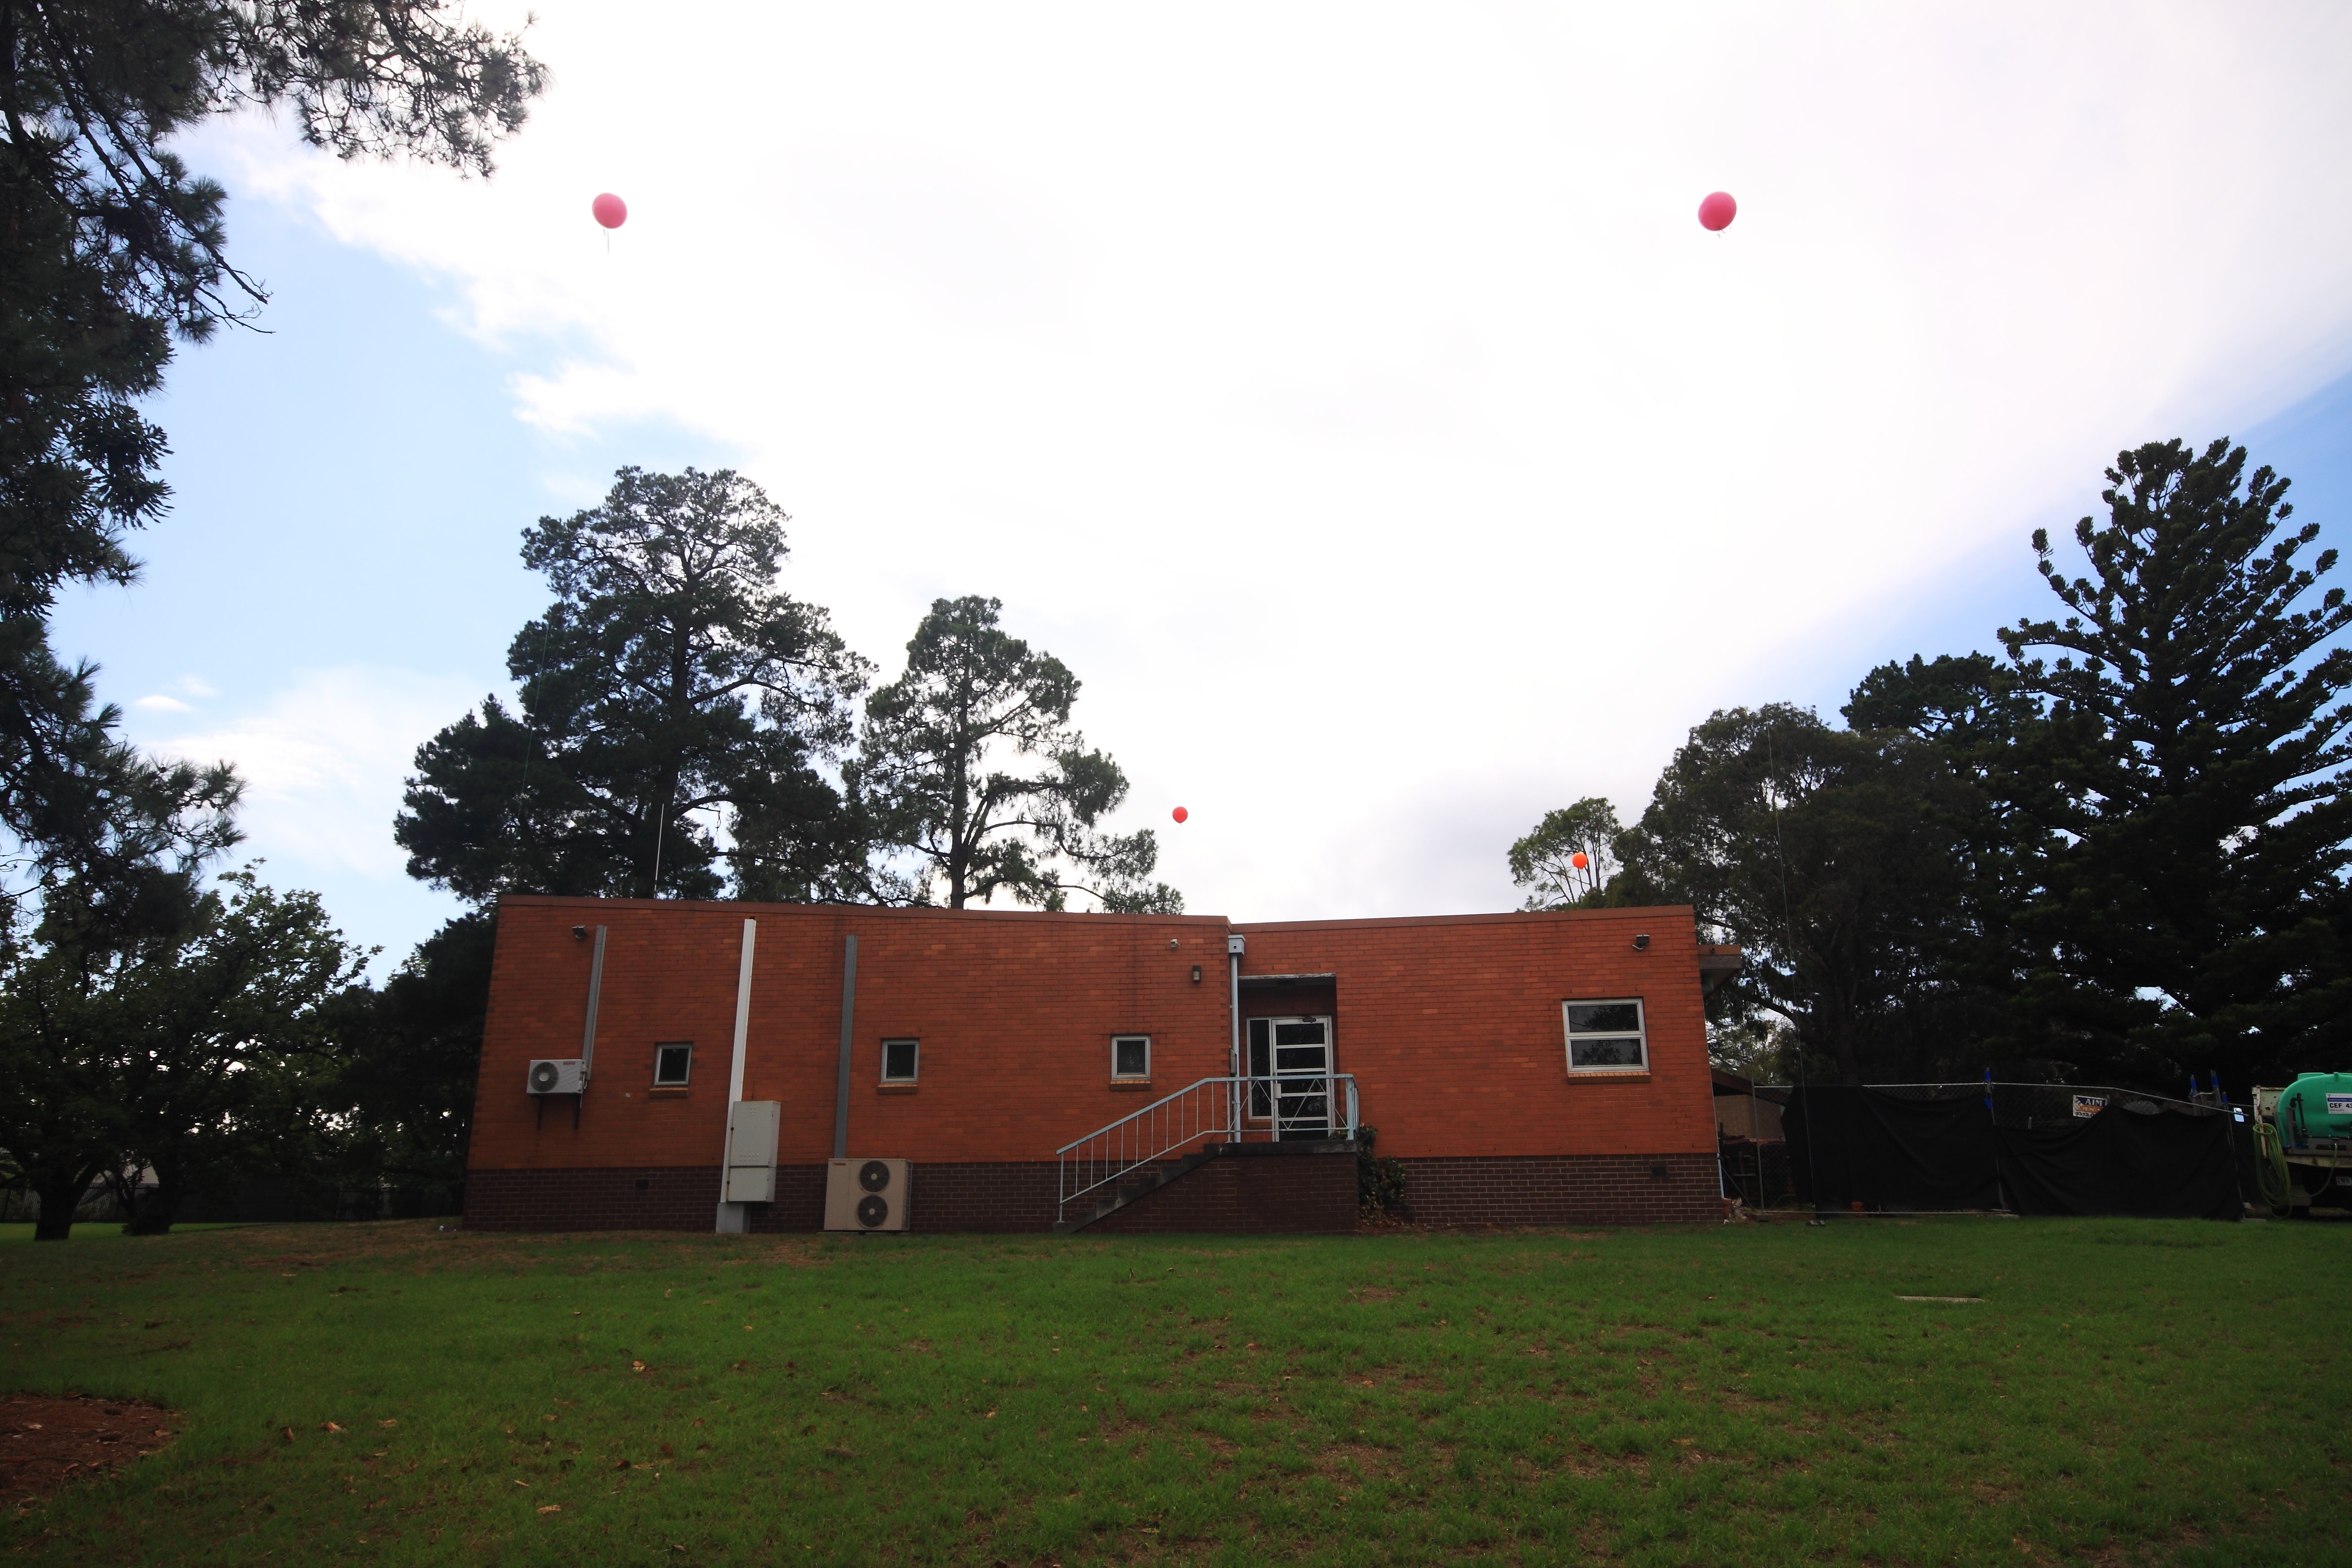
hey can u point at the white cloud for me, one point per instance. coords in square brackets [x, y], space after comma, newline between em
[323, 760]
[159, 703]
[1348, 394]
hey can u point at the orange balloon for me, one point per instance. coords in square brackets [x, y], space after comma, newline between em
[1577, 860]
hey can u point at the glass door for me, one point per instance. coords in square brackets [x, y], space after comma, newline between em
[1290, 1076]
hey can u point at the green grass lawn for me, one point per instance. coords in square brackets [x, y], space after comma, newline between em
[2125, 1391]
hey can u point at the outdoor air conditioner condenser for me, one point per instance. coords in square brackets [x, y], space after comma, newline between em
[556, 1075]
[867, 1195]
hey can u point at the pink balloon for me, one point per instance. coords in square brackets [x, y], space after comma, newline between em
[612, 212]
[1716, 212]
[1180, 813]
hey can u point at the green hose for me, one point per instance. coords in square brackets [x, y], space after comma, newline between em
[2270, 1169]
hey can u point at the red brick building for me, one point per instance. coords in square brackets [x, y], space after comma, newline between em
[645, 1062]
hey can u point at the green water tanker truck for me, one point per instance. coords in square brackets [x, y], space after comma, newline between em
[2303, 1141]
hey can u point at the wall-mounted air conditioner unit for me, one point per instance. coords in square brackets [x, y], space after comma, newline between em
[751, 1150]
[557, 1075]
[867, 1195]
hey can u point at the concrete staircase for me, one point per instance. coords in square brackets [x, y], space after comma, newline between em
[1300, 1186]
[1138, 1182]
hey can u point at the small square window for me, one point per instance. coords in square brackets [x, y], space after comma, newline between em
[900, 1060]
[672, 1064]
[1606, 1037]
[1130, 1056]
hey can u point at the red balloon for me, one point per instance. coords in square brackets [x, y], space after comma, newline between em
[1180, 813]
[612, 212]
[1577, 860]
[1716, 212]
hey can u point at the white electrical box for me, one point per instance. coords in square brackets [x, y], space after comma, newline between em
[751, 1150]
[867, 1194]
[556, 1075]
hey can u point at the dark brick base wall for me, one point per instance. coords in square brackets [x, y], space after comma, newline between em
[1565, 1189]
[1017, 1196]
[1011, 1196]
[675, 1198]
[1293, 1193]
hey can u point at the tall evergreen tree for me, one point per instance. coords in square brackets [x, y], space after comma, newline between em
[941, 771]
[1975, 713]
[670, 680]
[2192, 909]
[1828, 857]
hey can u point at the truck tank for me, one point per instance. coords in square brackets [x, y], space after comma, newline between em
[2316, 1108]
[2303, 1141]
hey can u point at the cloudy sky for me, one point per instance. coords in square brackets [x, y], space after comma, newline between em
[1347, 394]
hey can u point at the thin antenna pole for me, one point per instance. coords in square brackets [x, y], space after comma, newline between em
[661, 829]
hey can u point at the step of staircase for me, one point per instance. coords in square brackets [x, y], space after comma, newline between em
[1136, 1184]
[1149, 1178]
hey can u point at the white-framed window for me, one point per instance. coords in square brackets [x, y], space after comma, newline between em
[900, 1059]
[673, 1064]
[1606, 1036]
[1130, 1056]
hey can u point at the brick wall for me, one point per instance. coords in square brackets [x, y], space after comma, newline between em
[1451, 1025]
[644, 1197]
[1289, 1192]
[1014, 1010]
[1565, 1189]
[1295, 1193]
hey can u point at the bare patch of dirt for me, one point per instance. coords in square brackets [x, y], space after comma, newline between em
[50, 1441]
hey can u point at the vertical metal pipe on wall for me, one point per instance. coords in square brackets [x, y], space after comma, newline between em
[848, 1036]
[730, 1216]
[588, 1035]
[1233, 945]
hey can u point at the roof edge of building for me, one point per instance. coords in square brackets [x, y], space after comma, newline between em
[890, 911]
[1498, 918]
[927, 912]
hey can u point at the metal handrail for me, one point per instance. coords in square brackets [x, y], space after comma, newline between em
[1202, 1110]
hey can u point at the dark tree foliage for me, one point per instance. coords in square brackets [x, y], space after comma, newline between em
[1977, 713]
[407, 1057]
[940, 772]
[197, 1053]
[1829, 857]
[671, 679]
[2191, 908]
[217, 1036]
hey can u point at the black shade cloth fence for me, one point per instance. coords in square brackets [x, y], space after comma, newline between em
[1918, 1147]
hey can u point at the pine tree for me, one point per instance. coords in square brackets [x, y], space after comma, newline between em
[942, 775]
[2192, 911]
[671, 682]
